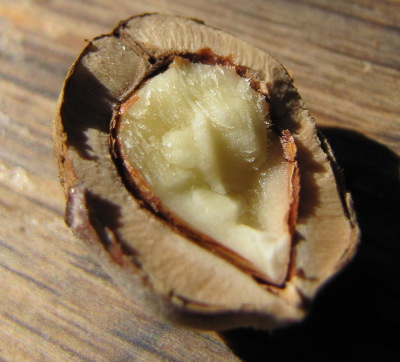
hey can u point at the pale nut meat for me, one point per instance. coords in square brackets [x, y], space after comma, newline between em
[195, 173]
[197, 144]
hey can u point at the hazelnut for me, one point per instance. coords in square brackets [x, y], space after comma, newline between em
[194, 171]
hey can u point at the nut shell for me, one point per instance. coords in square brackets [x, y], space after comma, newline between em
[155, 265]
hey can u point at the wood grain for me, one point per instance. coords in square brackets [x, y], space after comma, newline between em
[56, 303]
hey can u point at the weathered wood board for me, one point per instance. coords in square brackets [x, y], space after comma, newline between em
[57, 304]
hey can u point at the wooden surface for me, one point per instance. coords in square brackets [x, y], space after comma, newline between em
[57, 304]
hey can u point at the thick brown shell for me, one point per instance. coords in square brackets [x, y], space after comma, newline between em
[156, 266]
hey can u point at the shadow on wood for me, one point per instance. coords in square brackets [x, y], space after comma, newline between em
[357, 314]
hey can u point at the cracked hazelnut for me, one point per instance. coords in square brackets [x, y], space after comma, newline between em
[194, 171]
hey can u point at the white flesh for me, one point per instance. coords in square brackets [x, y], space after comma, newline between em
[199, 136]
